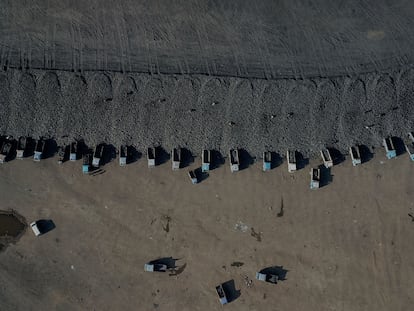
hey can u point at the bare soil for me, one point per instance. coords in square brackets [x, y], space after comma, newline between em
[346, 246]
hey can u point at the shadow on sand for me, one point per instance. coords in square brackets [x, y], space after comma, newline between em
[230, 290]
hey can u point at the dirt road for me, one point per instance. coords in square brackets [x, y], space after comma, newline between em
[266, 39]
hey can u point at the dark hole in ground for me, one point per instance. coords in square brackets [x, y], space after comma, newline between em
[12, 226]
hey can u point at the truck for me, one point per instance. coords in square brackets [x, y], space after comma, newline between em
[5, 151]
[234, 160]
[97, 155]
[222, 294]
[176, 158]
[315, 178]
[21, 147]
[267, 277]
[390, 151]
[291, 160]
[61, 154]
[123, 154]
[326, 158]
[155, 267]
[267, 161]
[151, 157]
[39, 149]
[409, 146]
[86, 163]
[205, 160]
[193, 177]
[355, 155]
[73, 153]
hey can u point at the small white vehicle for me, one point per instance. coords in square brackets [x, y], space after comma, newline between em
[40, 147]
[291, 159]
[266, 277]
[176, 158]
[193, 177]
[326, 158]
[151, 157]
[355, 155]
[267, 161]
[409, 146]
[21, 147]
[73, 151]
[234, 160]
[315, 178]
[123, 153]
[205, 160]
[222, 295]
[61, 154]
[5, 150]
[390, 151]
[156, 267]
[97, 155]
[35, 228]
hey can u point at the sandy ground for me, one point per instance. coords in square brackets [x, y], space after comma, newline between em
[265, 39]
[346, 246]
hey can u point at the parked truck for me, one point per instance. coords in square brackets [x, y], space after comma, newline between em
[326, 158]
[151, 157]
[355, 155]
[123, 154]
[234, 160]
[291, 159]
[409, 146]
[39, 149]
[21, 147]
[176, 158]
[267, 161]
[205, 160]
[390, 151]
[315, 178]
[5, 151]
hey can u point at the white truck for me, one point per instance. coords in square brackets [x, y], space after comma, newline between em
[291, 160]
[234, 160]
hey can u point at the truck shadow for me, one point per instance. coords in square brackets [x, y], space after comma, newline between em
[45, 225]
[201, 176]
[186, 158]
[301, 161]
[217, 159]
[337, 156]
[399, 145]
[162, 156]
[133, 154]
[366, 154]
[50, 148]
[326, 176]
[277, 160]
[245, 159]
[170, 262]
[108, 154]
[230, 290]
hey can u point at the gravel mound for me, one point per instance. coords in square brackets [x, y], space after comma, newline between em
[198, 112]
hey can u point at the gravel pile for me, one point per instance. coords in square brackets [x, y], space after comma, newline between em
[207, 112]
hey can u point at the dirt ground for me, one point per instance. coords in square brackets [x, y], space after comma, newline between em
[346, 246]
[262, 39]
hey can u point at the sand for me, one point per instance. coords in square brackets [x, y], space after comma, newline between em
[346, 246]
